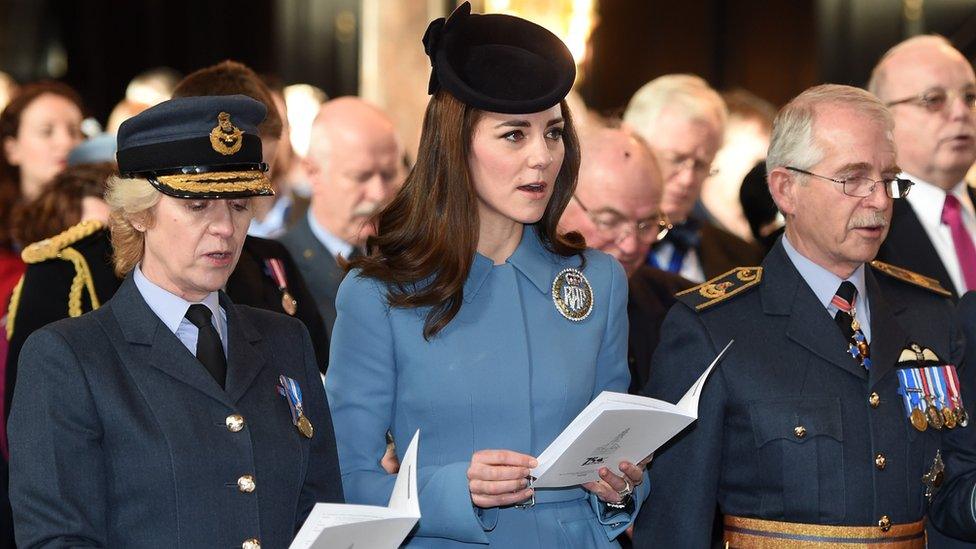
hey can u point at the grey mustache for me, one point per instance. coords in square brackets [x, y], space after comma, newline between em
[876, 219]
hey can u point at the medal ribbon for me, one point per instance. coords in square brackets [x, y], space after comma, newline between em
[288, 388]
[952, 379]
[931, 386]
[276, 268]
[917, 399]
[906, 390]
[940, 385]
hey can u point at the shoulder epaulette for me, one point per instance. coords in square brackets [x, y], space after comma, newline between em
[722, 287]
[59, 247]
[50, 248]
[911, 277]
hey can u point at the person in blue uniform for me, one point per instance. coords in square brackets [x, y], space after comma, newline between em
[171, 416]
[840, 415]
[472, 319]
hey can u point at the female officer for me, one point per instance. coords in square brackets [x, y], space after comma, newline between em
[472, 319]
[171, 416]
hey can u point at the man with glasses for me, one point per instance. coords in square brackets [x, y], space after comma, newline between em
[813, 430]
[931, 90]
[617, 209]
[683, 119]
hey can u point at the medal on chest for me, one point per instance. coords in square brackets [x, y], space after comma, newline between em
[288, 388]
[276, 269]
[572, 294]
[930, 390]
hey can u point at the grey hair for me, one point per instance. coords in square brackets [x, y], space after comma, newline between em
[689, 95]
[879, 75]
[792, 142]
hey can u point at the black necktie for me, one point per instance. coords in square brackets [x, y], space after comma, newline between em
[846, 319]
[210, 351]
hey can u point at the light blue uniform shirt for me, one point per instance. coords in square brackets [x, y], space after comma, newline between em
[171, 309]
[825, 284]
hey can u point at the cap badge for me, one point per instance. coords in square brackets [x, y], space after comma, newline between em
[572, 294]
[225, 138]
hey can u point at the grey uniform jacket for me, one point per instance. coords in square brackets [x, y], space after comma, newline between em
[788, 368]
[119, 437]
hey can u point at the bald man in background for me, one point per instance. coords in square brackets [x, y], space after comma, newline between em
[353, 165]
[617, 208]
[930, 88]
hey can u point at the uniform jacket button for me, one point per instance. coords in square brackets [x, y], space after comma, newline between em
[884, 523]
[246, 484]
[235, 422]
[800, 431]
[880, 461]
[251, 543]
[874, 400]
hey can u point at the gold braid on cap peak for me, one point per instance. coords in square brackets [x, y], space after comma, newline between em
[220, 182]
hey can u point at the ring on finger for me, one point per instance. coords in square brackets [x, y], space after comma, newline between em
[628, 490]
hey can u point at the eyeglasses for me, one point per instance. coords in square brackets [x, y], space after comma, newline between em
[613, 225]
[936, 99]
[679, 161]
[862, 187]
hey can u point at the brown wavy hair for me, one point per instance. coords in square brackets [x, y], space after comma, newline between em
[59, 204]
[427, 236]
[9, 127]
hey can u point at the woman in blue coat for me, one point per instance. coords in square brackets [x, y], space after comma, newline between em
[473, 319]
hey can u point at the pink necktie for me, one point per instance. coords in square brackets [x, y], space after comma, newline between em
[965, 250]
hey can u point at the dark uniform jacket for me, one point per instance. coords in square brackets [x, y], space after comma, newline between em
[120, 438]
[721, 251]
[789, 367]
[318, 267]
[907, 245]
[47, 285]
[651, 295]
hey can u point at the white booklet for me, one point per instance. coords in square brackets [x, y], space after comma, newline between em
[345, 526]
[615, 427]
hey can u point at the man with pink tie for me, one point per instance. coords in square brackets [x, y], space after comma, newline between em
[931, 91]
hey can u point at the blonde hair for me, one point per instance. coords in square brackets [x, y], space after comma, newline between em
[793, 143]
[689, 95]
[131, 202]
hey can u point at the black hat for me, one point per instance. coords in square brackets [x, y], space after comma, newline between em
[197, 147]
[498, 63]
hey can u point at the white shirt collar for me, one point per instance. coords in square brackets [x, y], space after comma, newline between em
[169, 307]
[333, 243]
[928, 200]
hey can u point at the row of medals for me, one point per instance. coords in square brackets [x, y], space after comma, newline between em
[936, 418]
[933, 416]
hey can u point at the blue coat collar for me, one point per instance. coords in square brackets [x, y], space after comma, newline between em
[531, 258]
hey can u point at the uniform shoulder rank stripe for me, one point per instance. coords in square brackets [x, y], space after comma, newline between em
[722, 287]
[910, 277]
[51, 248]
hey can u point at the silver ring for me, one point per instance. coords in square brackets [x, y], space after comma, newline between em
[628, 490]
